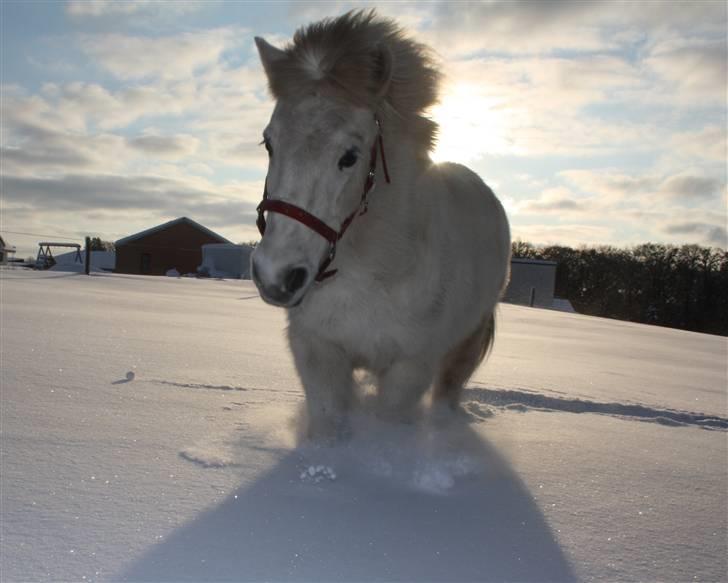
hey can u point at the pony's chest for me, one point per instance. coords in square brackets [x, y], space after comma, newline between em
[370, 329]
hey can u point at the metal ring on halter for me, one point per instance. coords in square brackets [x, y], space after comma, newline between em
[372, 182]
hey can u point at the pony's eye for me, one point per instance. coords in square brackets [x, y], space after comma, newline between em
[268, 147]
[348, 159]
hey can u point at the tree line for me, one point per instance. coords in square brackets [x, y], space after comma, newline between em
[677, 286]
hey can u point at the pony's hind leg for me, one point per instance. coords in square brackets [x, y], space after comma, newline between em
[460, 363]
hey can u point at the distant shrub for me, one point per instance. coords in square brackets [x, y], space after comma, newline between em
[681, 287]
[96, 244]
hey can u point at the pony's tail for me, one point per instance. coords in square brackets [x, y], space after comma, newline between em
[460, 363]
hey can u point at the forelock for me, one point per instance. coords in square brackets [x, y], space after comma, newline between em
[344, 58]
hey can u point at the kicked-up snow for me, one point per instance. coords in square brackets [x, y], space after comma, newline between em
[150, 431]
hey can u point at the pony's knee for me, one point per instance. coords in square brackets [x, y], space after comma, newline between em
[401, 389]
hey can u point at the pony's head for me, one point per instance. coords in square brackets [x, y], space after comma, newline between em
[330, 85]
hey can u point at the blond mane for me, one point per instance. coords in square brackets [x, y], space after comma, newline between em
[365, 60]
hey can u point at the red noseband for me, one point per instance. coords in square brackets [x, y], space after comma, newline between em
[314, 223]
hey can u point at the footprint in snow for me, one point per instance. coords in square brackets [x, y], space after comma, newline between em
[127, 379]
[316, 474]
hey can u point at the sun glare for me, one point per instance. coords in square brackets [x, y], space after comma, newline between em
[471, 126]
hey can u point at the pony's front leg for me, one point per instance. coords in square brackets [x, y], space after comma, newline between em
[401, 388]
[327, 376]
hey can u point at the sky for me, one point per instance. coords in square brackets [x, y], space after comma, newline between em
[596, 123]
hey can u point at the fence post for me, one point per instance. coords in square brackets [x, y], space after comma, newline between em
[88, 255]
[532, 299]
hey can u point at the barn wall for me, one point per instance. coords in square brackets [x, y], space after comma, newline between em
[176, 247]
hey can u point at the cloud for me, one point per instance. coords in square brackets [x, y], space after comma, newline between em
[19, 160]
[78, 192]
[533, 27]
[573, 234]
[615, 186]
[678, 208]
[706, 233]
[78, 106]
[688, 187]
[177, 146]
[512, 27]
[708, 143]
[33, 149]
[559, 201]
[168, 57]
[104, 8]
[154, 194]
[216, 117]
[695, 69]
[611, 185]
[518, 27]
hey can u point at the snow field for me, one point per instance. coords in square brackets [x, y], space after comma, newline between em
[150, 431]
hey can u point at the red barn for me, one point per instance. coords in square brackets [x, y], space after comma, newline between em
[173, 245]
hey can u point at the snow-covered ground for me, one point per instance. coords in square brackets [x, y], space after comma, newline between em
[149, 432]
[100, 261]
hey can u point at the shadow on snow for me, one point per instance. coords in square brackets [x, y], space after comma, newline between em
[396, 512]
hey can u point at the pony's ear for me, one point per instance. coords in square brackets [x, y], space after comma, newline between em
[384, 59]
[269, 55]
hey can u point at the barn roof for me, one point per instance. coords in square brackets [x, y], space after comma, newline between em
[167, 225]
[5, 246]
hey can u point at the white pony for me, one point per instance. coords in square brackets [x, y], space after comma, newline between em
[400, 279]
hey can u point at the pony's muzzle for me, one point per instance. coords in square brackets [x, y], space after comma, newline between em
[282, 287]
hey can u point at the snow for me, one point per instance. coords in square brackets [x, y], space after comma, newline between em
[150, 431]
[100, 261]
[562, 305]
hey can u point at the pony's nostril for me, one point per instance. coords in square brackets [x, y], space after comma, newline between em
[295, 279]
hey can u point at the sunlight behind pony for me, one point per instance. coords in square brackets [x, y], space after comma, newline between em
[471, 125]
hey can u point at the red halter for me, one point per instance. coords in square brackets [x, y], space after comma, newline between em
[302, 216]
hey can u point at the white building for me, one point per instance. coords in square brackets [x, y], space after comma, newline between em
[532, 283]
[225, 260]
[5, 252]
